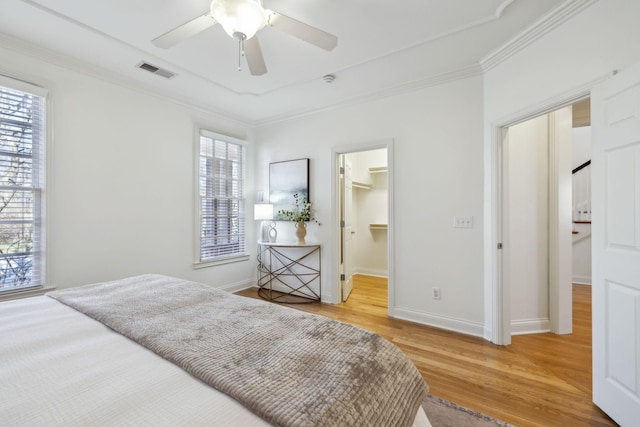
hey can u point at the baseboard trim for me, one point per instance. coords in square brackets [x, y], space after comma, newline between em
[582, 280]
[372, 272]
[238, 286]
[530, 326]
[441, 322]
[326, 297]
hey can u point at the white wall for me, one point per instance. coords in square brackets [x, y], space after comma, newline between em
[581, 268]
[527, 186]
[120, 193]
[558, 66]
[581, 180]
[437, 174]
[440, 163]
[370, 246]
[581, 145]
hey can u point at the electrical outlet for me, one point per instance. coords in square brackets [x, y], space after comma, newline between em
[435, 293]
[462, 222]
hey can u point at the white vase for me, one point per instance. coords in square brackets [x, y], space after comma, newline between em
[273, 233]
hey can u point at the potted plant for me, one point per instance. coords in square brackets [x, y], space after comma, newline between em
[300, 214]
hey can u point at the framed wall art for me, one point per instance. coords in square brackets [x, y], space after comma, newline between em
[286, 179]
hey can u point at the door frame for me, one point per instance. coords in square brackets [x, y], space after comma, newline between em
[558, 212]
[342, 200]
[497, 307]
[334, 268]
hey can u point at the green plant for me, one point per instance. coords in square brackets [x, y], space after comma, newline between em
[301, 212]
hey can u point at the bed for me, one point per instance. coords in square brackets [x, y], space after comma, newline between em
[154, 350]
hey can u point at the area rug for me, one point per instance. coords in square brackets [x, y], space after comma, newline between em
[443, 413]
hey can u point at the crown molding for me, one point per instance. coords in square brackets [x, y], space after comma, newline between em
[502, 7]
[57, 59]
[40, 53]
[450, 76]
[543, 26]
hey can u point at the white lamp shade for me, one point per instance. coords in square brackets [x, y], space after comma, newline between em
[262, 211]
[239, 16]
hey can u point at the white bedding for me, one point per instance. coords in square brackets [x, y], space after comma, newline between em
[59, 367]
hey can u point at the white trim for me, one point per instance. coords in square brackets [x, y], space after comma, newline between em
[529, 326]
[560, 248]
[23, 47]
[40, 53]
[221, 261]
[497, 325]
[238, 286]
[554, 225]
[543, 26]
[431, 81]
[200, 130]
[45, 188]
[371, 272]
[581, 280]
[23, 86]
[48, 197]
[443, 322]
[37, 85]
[334, 263]
[503, 221]
[25, 293]
[502, 6]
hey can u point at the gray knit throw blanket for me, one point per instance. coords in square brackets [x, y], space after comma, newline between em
[289, 367]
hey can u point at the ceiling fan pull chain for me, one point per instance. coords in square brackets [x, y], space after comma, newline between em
[240, 53]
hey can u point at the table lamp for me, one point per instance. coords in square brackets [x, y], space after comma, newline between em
[264, 212]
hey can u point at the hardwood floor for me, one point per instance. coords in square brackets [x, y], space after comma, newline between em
[540, 380]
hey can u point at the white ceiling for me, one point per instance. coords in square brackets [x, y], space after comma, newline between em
[383, 46]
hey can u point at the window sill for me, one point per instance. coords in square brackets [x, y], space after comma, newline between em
[221, 261]
[24, 293]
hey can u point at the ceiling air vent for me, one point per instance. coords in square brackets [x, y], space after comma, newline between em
[156, 70]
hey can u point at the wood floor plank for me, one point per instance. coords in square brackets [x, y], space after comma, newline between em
[539, 380]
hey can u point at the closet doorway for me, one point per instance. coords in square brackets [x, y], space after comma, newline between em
[363, 225]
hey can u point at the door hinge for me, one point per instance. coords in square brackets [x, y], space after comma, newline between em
[341, 223]
[499, 245]
[342, 277]
[341, 170]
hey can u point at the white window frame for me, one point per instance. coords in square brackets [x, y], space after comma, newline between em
[225, 259]
[39, 172]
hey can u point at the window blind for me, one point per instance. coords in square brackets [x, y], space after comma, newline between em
[221, 198]
[22, 124]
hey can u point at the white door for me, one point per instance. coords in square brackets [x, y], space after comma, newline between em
[616, 246]
[346, 226]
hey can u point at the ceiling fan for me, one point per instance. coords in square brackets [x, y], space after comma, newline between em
[241, 19]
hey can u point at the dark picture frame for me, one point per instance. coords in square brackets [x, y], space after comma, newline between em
[286, 179]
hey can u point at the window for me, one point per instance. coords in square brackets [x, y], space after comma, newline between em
[221, 198]
[22, 121]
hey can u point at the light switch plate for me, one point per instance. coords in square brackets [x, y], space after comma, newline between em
[462, 222]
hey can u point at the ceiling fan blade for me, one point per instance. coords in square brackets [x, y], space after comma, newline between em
[303, 31]
[184, 31]
[255, 60]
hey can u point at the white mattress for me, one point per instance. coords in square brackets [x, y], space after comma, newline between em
[61, 368]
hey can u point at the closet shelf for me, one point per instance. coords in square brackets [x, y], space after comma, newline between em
[378, 169]
[362, 185]
[377, 226]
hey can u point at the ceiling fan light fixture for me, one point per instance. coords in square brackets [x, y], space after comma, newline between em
[241, 19]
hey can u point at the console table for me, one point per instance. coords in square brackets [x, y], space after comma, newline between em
[289, 272]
